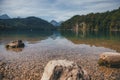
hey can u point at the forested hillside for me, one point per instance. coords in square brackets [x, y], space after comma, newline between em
[107, 21]
[25, 23]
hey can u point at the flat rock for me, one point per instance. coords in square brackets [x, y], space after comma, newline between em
[64, 70]
[110, 59]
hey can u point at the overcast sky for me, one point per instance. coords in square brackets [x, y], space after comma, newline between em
[59, 10]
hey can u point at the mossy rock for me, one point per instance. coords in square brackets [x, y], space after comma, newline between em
[103, 62]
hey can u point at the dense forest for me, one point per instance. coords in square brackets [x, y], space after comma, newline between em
[107, 21]
[32, 23]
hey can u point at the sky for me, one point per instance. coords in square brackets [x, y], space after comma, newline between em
[59, 10]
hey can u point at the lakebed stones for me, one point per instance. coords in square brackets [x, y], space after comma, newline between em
[109, 59]
[64, 70]
[15, 44]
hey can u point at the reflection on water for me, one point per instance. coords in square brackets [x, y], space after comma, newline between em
[109, 40]
[29, 36]
[101, 39]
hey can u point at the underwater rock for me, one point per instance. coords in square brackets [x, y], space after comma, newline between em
[15, 44]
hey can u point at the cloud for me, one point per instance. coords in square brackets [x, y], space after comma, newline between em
[55, 9]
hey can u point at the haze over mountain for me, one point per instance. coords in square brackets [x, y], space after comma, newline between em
[4, 16]
[55, 23]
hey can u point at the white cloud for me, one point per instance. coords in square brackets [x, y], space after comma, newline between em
[55, 9]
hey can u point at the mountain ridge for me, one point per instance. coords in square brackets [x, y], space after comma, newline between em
[26, 23]
[4, 16]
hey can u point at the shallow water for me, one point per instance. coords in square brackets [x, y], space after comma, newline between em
[38, 43]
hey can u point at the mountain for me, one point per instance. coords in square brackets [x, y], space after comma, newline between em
[32, 22]
[106, 21]
[4, 16]
[55, 23]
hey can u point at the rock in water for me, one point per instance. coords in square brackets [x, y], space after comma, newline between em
[64, 70]
[109, 59]
[15, 44]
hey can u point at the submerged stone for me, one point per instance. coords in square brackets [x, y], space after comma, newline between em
[15, 44]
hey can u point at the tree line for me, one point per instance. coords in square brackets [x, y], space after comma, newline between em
[106, 21]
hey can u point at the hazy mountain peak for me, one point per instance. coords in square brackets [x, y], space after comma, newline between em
[55, 23]
[4, 16]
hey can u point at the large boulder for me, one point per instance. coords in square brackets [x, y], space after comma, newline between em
[109, 59]
[15, 44]
[64, 70]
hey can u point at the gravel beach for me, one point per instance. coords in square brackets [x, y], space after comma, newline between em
[29, 63]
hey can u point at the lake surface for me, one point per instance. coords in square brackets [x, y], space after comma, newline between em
[82, 42]
[41, 47]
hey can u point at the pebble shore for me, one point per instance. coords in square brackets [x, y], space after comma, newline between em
[33, 69]
[29, 63]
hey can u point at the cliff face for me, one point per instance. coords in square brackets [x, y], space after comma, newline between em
[107, 21]
[81, 26]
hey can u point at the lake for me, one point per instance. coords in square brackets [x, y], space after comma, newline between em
[40, 47]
